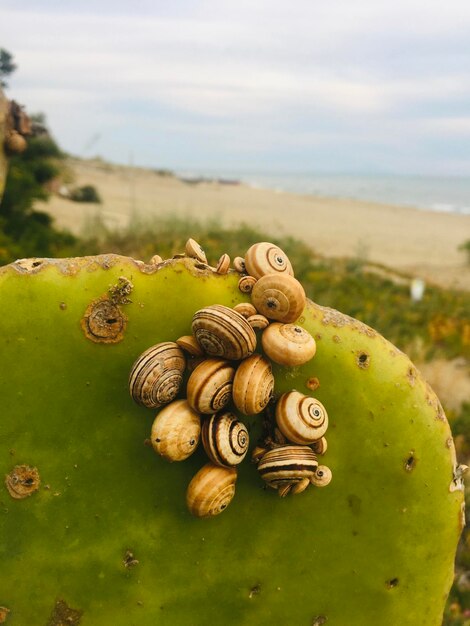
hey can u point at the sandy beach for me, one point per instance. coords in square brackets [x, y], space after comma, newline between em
[419, 242]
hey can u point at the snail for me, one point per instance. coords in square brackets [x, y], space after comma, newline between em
[301, 419]
[225, 439]
[176, 431]
[279, 297]
[239, 264]
[253, 385]
[157, 374]
[266, 258]
[288, 467]
[189, 344]
[194, 250]
[322, 476]
[210, 386]
[211, 490]
[245, 308]
[15, 143]
[320, 446]
[156, 260]
[222, 332]
[246, 284]
[223, 264]
[288, 344]
[258, 321]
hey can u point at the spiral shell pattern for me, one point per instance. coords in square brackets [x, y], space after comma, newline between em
[287, 465]
[157, 374]
[176, 431]
[322, 476]
[288, 344]
[266, 258]
[225, 439]
[222, 332]
[279, 297]
[211, 490]
[301, 419]
[209, 387]
[253, 385]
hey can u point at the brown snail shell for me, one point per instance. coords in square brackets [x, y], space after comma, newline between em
[253, 385]
[302, 419]
[223, 265]
[157, 374]
[279, 297]
[287, 465]
[211, 490]
[210, 386]
[176, 431]
[288, 344]
[222, 332]
[225, 439]
[258, 321]
[15, 143]
[246, 284]
[322, 476]
[194, 250]
[320, 447]
[189, 344]
[266, 258]
[246, 309]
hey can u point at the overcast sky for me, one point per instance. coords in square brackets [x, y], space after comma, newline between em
[300, 85]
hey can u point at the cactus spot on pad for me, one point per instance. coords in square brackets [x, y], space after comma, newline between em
[363, 360]
[22, 481]
[393, 582]
[29, 265]
[129, 560]
[104, 322]
[410, 462]
[120, 292]
[63, 615]
[3, 614]
[255, 590]
[319, 620]
[312, 383]
[411, 375]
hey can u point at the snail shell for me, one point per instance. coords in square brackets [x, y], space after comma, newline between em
[15, 143]
[245, 308]
[194, 250]
[246, 284]
[258, 321]
[322, 476]
[211, 490]
[266, 258]
[189, 344]
[176, 431]
[302, 419]
[239, 264]
[288, 344]
[225, 439]
[279, 297]
[223, 264]
[157, 374]
[320, 446]
[222, 332]
[156, 259]
[253, 385]
[287, 465]
[210, 386]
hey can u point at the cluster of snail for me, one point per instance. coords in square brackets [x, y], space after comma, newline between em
[224, 368]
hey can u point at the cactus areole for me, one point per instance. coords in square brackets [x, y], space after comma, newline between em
[94, 527]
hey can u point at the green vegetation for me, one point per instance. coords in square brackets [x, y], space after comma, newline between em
[6, 66]
[465, 247]
[87, 193]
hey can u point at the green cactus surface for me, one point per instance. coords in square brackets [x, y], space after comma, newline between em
[105, 537]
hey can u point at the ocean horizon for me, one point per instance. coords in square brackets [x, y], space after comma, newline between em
[445, 194]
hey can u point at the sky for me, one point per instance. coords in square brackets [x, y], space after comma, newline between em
[356, 86]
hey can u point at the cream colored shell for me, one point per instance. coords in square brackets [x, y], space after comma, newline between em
[225, 439]
[189, 344]
[210, 386]
[258, 321]
[222, 332]
[322, 476]
[279, 297]
[253, 385]
[246, 284]
[301, 419]
[223, 264]
[157, 374]
[194, 250]
[176, 431]
[288, 344]
[239, 264]
[245, 308]
[266, 258]
[211, 490]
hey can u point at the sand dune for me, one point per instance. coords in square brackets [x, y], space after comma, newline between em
[423, 243]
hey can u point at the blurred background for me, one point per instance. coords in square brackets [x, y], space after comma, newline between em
[339, 130]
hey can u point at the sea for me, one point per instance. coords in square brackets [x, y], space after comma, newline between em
[437, 193]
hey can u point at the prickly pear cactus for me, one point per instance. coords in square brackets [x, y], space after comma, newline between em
[93, 524]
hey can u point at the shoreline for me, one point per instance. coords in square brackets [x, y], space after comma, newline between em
[420, 242]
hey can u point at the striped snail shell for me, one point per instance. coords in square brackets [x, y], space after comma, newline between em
[266, 258]
[157, 374]
[300, 418]
[211, 490]
[223, 264]
[194, 250]
[322, 476]
[225, 439]
[287, 465]
[239, 264]
[320, 446]
[253, 385]
[246, 284]
[279, 297]
[288, 344]
[258, 321]
[189, 344]
[222, 332]
[245, 308]
[176, 431]
[210, 386]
